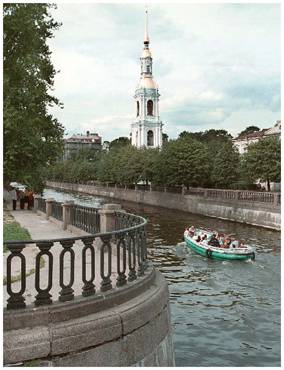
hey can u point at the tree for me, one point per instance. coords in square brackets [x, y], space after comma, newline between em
[226, 166]
[249, 130]
[165, 138]
[119, 142]
[263, 161]
[32, 137]
[183, 161]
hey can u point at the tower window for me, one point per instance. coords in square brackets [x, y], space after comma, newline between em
[150, 108]
[150, 138]
[137, 108]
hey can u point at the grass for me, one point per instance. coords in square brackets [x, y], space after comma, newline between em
[14, 231]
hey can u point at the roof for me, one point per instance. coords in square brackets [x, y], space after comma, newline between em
[84, 138]
[251, 135]
[275, 130]
[147, 83]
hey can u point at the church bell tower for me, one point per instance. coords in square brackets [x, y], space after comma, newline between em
[146, 130]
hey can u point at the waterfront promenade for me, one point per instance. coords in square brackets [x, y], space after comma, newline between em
[42, 229]
[81, 299]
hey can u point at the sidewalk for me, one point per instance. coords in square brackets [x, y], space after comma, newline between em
[40, 228]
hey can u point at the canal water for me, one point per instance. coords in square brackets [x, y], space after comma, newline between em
[223, 313]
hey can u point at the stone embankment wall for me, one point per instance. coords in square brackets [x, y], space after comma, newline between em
[250, 212]
[130, 327]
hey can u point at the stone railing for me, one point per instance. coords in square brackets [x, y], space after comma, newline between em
[207, 193]
[77, 266]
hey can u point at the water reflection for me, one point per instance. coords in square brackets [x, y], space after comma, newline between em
[223, 313]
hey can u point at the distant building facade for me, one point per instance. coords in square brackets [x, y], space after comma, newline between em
[76, 143]
[146, 130]
[242, 142]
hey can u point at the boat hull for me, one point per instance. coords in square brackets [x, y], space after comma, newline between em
[213, 254]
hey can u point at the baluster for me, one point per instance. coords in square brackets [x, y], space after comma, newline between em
[121, 278]
[131, 257]
[89, 287]
[98, 220]
[106, 281]
[140, 253]
[144, 249]
[43, 296]
[16, 300]
[66, 293]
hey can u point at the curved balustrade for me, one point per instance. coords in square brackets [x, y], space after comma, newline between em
[80, 265]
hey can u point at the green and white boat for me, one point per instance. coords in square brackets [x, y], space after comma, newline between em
[243, 253]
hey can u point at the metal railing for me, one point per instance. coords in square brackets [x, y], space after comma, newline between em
[102, 260]
[85, 218]
[56, 210]
[41, 204]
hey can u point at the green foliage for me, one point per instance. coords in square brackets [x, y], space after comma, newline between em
[119, 142]
[73, 171]
[126, 165]
[226, 165]
[249, 130]
[183, 161]
[263, 161]
[14, 231]
[85, 154]
[32, 137]
[165, 138]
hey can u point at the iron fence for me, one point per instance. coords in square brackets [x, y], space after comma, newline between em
[41, 204]
[85, 218]
[77, 266]
[56, 210]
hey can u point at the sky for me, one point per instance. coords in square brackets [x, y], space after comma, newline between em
[217, 66]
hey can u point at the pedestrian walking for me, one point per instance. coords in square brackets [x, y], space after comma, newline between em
[22, 199]
[14, 197]
[30, 199]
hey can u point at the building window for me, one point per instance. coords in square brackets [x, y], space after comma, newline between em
[150, 138]
[149, 108]
[137, 108]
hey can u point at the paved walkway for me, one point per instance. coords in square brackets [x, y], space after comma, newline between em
[40, 228]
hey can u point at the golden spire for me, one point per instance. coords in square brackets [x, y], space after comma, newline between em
[146, 36]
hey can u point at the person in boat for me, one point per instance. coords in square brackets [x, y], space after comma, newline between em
[242, 244]
[198, 239]
[203, 237]
[221, 239]
[235, 244]
[213, 241]
[191, 231]
[186, 232]
[227, 243]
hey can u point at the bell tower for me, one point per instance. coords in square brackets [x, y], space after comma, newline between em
[146, 130]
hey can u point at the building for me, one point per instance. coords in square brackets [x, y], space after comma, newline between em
[76, 143]
[243, 141]
[275, 130]
[146, 130]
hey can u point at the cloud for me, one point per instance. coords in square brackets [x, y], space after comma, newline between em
[217, 65]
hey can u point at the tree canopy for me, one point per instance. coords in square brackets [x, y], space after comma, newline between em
[32, 137]
[249, 130]
[119, 142]
[183, 161]
[263, 161]
[226, 166]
